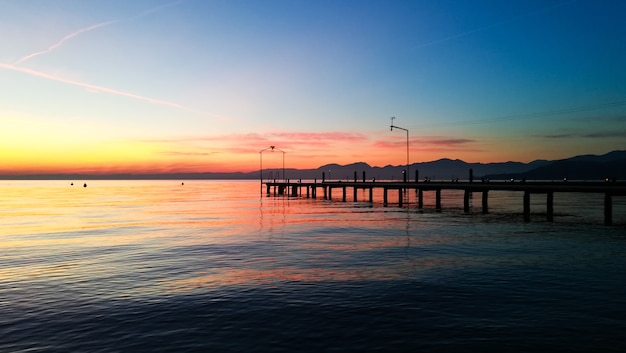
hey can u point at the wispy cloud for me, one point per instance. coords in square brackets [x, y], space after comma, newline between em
[292, 139]
[251, 143]
[603, 134]
[619, 133]
[427, 142]
[311, 136]
[445, 141]
[560, 136]
[63, 40]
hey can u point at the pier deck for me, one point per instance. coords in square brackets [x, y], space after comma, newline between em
[609, 189]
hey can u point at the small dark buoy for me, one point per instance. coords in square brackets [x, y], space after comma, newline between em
[85, 185]
[182, 183]
[72, 184]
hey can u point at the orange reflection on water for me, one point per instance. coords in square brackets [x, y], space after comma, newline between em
[84, 231]
[49, 212]
[265, 277]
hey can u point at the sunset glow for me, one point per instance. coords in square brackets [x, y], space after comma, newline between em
[192, 86]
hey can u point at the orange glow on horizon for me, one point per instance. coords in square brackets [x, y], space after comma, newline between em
[67, 154]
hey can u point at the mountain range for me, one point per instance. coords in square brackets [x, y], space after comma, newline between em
[585, 167]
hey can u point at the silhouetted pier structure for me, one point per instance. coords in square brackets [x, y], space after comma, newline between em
[310, 189]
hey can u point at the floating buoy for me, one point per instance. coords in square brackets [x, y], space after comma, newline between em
[85, 185]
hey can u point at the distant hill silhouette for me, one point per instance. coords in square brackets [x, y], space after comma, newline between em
[584, 167]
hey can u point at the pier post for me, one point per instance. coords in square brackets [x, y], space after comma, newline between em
[471, 175]
[420, 199]
[485, 202]
[400, 191]
[438, 199]
[308, 189]
[294, 190]
[550, 206]
[417, 175]
[330, 192]
[344, 194]
[323, 177]
[363, 176]
[526, 206]
[354, 193]
[466, 203]
[325, 192]
[268, 189]
[371, 195]
[385, 197]
[608, 209]
[355, 176]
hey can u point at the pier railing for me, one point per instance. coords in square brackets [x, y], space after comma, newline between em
[549, 188]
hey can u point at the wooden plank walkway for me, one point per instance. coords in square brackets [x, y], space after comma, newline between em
[609, 189]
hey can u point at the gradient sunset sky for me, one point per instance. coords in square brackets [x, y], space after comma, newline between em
[198, 85]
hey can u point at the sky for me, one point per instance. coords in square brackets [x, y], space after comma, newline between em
[161, 86]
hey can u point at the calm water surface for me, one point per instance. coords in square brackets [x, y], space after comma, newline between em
[156, 266]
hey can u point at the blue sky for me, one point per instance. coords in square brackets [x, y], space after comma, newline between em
[205, 85]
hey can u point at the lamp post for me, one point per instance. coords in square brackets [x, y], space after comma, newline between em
[406, 176]
[272, 149]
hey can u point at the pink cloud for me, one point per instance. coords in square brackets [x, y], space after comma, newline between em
[427, 143]
[332, 136]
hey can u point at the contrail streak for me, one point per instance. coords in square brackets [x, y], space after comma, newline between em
[91, 28]
[97, 88]
[497, 24]
[63, 40]
[159, 8]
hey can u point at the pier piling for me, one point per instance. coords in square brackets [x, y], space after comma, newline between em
[550, 207]
[608, 209]
[420, 199]
[438, 199]
[526, 206]
[485, 202]
[385, 197]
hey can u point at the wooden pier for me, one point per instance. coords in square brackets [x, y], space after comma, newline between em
[310, 189]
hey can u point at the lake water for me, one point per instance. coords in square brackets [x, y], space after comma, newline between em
[211, 266]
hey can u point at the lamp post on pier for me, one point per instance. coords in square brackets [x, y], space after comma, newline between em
[271, 149]
[406, 175]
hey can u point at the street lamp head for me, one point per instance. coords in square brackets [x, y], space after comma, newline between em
[272, 147]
